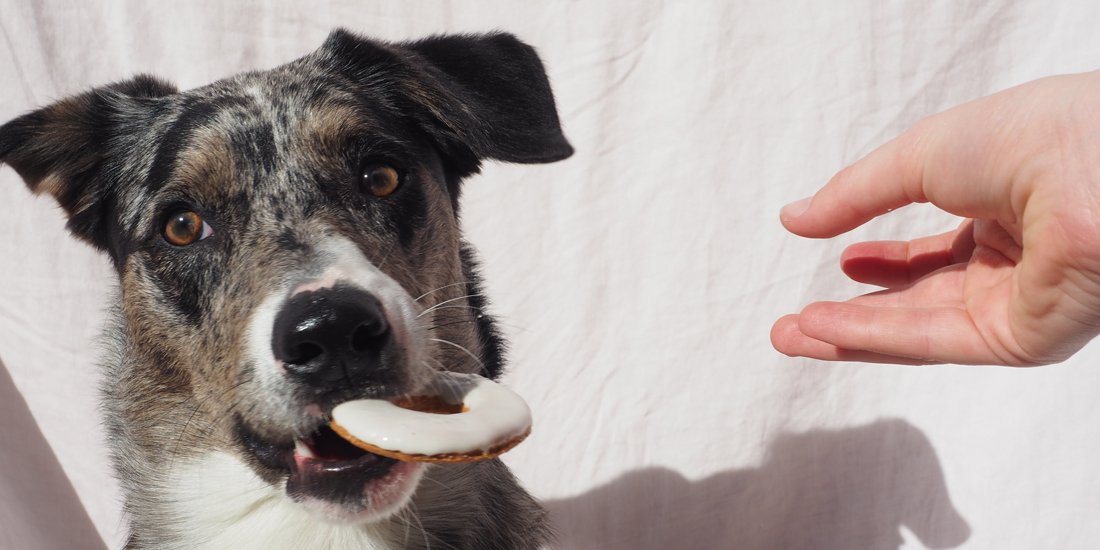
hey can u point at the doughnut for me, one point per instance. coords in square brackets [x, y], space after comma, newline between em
[462, 418]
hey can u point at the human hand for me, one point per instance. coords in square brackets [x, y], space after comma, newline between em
[1017, 283]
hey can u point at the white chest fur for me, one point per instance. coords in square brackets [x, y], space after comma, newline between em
[218, 502]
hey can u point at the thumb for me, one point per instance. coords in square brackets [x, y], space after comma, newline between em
[889, 177]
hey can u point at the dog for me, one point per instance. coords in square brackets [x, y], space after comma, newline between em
[285, 241]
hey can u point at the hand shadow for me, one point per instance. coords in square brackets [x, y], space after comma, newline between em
[38, 506]
[822, 490]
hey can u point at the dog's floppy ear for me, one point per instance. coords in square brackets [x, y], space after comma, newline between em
[479, 96]
[64, 149]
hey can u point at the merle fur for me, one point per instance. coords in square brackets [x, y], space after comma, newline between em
[108, 155]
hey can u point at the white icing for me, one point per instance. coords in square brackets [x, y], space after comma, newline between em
[494, 414]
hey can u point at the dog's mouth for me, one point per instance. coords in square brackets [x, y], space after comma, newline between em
[333, 478]
[325, 446]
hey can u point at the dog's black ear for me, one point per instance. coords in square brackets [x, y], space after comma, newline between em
[63, 149]
[479, 96]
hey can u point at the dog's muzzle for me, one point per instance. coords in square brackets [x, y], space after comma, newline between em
[334, 337]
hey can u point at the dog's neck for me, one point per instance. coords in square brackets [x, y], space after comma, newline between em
[219, 502]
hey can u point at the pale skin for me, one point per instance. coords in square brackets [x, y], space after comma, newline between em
[1017, 283]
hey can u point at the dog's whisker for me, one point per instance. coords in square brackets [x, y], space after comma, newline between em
[427, 536]
[403, 516]
[183, 431]
[438, 314]
[431, 368]
[443, 316]
[436, 306]
[418, 298]
[198, 405]
[434, 327]
[386, 256]
[496, 316]
[423, 532]
[437, 482]
[468, 352]
[409, 275]
[452, 384]
[446, 307]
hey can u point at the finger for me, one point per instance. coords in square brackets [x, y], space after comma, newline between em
[787, 339]
[965, 160]
[942, 334]
[892, 264]
[941, 288]
[889, 177]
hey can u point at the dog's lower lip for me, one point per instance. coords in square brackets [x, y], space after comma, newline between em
[367, 463]
[323, 470]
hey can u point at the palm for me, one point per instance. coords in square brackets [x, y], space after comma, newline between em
[966, 286]
[955, 297]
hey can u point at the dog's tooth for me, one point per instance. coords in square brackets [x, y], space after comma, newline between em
[302, 449]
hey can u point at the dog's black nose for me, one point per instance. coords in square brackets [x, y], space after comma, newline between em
[332, 337]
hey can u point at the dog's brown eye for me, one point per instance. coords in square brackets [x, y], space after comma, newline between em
[186, 227]
[379, 179]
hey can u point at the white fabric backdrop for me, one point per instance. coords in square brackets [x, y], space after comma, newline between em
[637, 280]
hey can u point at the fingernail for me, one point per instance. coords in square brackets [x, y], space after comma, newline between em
[795, 209]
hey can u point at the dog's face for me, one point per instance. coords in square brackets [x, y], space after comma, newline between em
[288, 240]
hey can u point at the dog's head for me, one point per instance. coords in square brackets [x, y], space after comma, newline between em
[288, 240]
